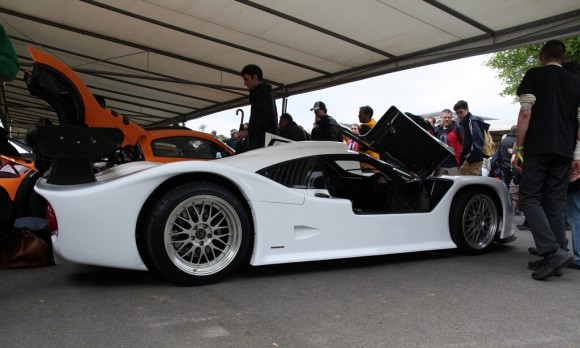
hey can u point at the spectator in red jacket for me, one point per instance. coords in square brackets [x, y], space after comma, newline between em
[450, 133]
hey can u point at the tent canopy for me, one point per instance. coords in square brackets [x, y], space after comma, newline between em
[165, 61]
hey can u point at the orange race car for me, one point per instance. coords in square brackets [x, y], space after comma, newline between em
[56, 83]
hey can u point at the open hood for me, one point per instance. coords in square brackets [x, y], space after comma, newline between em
[58, 85]
[398, 138]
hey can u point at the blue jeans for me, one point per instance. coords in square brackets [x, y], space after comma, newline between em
[573, 217]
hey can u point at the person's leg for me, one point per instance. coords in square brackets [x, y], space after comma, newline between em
[453, 171]
[472, 169]
[554, 197]
[463, 169]
[531, 189]
[574, 215]
[506, 177]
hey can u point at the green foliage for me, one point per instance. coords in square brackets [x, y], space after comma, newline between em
[511, 65]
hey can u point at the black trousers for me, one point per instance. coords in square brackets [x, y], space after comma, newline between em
[543, 187]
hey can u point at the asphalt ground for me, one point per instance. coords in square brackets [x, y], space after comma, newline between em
[427, 299]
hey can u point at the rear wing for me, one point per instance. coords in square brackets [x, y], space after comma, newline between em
[73, 149]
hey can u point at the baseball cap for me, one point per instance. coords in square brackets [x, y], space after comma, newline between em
[233, 131]
[318, 105]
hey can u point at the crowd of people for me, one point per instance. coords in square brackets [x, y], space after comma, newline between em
[543, 178]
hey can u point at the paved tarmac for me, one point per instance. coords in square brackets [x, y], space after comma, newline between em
[428, 299]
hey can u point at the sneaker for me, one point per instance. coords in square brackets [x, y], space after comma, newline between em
[533, 250]
[535, 265]
[574, 266]
[523, 227]
[551, 264]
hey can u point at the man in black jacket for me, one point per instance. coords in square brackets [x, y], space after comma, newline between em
[290, 129]
[471, 159]
[326, 126]
[263, 113]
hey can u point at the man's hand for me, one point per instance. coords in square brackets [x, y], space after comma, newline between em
[575, 171]
[242, 135]
[516, 164]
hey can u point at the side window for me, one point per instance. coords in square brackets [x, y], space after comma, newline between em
[165, 148]
[357, 167]
[186, 147]
[349, 168]
[301, 173]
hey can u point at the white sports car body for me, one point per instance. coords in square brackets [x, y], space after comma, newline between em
[195, 222]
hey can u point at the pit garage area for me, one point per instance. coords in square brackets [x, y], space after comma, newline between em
[160, 62]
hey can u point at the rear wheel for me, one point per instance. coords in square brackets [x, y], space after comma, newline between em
[197, 233]
[474, 221]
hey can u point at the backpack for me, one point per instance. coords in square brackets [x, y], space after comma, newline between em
[488, 148]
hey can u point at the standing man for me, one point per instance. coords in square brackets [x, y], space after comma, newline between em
[233, 140]
[290, 129]
[450, 133]
[367, 122]
[365, 117]
[546, 137]
[326, 127]
[432, 120]
[263, 113]
[471, 159]
[505, 155]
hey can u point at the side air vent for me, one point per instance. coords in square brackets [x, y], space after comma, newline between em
[293, 174]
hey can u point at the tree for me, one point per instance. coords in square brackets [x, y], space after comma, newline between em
[202, 127]
[512, 64]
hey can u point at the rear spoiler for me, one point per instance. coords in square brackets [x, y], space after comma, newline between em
[73, 149]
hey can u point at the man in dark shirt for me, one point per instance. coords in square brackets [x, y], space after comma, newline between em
[326, 126]
[546, 137]
[290, 129]
[471, 158]
[263, 113]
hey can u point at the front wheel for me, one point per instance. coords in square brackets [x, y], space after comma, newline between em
[197, 233]
[474, 221]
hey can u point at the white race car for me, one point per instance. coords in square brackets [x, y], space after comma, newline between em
[196, 222]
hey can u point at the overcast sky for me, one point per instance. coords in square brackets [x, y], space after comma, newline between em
[420, 90]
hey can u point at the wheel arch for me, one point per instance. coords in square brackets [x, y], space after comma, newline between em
[183, 179]
[494, 195]
[489, 189]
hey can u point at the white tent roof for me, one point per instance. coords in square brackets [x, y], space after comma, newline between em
[165, 61]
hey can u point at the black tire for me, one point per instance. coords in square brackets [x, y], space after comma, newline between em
[197, 234]
[474, 221]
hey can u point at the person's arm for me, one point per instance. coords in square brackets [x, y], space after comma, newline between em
[8, 59]
[575, 174]
[526, 103]
[475, 128]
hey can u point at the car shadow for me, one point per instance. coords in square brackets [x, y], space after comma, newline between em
[94, 276]
[361, 262]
